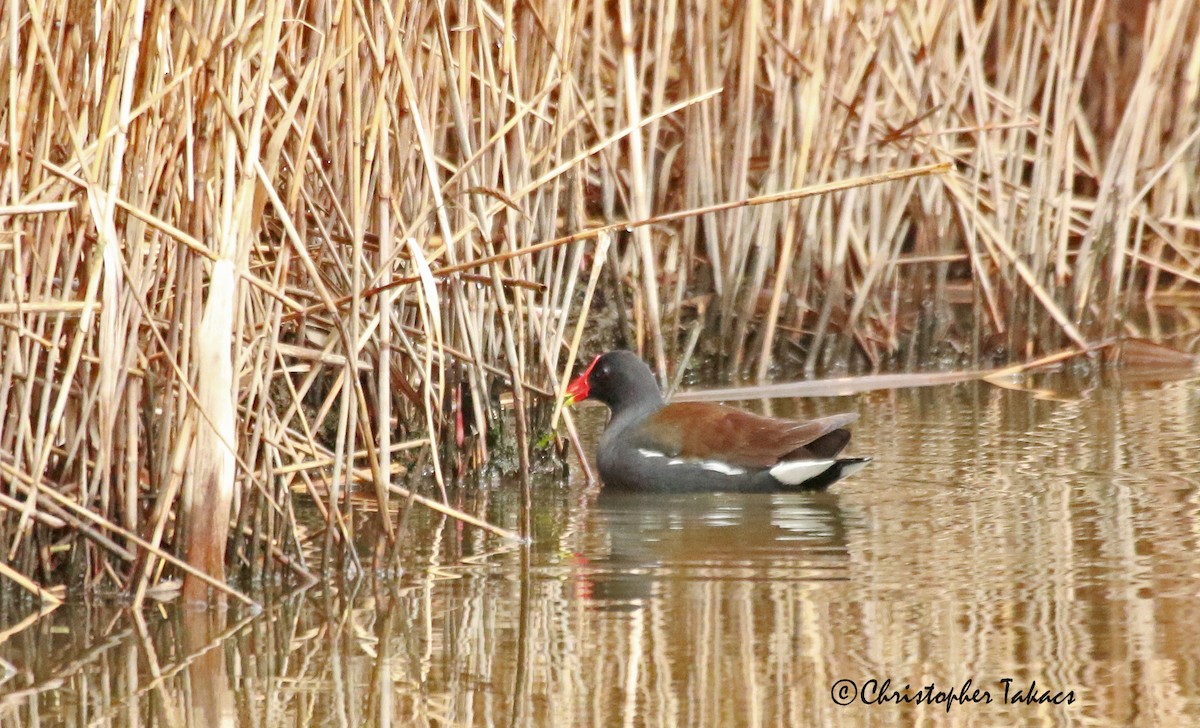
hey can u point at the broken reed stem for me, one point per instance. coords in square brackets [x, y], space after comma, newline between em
[51, 597]
[843, 386]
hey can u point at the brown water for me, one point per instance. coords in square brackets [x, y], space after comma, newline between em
[1033, 536]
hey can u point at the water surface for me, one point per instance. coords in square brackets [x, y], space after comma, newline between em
[1045, 534]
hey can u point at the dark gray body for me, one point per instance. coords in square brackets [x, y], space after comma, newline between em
[692, 447]
[622, 465]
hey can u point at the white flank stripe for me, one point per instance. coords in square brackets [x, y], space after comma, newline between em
[795, 472]
[719, 467]
[713, 465]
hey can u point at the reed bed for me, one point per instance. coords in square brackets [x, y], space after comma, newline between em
[256, 250]
[713, 625]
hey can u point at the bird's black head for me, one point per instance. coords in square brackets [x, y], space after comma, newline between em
[619, 379]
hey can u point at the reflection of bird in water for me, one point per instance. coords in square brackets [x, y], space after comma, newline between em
[656, 538]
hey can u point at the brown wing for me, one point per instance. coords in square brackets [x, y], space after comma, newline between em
[710, 432]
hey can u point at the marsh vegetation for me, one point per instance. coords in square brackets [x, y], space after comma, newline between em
[253, 253]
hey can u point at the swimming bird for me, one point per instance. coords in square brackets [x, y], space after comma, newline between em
[649, 445]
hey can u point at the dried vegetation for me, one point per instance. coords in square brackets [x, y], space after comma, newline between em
[249, 251]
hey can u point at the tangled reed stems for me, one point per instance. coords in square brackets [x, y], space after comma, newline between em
[249, 251]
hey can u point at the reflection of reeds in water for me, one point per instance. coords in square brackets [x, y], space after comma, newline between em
[238, 249]
[997, 536]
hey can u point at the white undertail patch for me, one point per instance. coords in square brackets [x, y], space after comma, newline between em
[795, 472]
[852, 468]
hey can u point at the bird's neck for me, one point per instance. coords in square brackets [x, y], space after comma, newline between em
[634, 406]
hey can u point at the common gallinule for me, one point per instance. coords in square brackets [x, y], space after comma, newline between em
[698, 446]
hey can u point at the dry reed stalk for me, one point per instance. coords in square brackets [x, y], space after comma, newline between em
[199, 212]
[598, 258]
